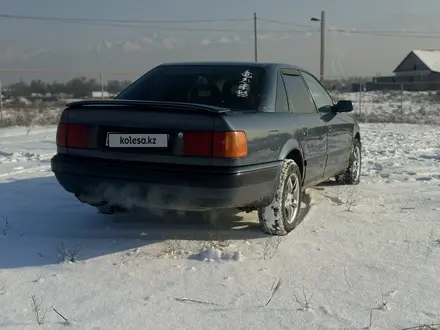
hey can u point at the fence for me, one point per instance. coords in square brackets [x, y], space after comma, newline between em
[394, 106]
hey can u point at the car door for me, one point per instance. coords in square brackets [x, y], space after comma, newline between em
[338, 128]
[308, 127]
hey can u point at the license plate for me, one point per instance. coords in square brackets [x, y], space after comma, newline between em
[118, 140]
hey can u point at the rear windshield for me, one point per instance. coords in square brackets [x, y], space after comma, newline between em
[233, 87]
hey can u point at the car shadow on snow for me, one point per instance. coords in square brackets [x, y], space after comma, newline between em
[38, 219]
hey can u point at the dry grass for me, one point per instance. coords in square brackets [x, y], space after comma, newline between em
[28, 117]
[416, 117]
[172, 248]
[351, 197]
[37, 310]
[304, 301]
[271, 246]
[66, 321]
[418, 108]
[66, 254]
[387, 107]
[40, 276]
[6, 225]
[275, 288]
[431, 326]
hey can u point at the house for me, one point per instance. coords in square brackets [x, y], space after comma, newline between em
[100, 94]
[418, 71]
[420, 63]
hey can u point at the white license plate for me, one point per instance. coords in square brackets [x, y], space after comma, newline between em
[118, 140]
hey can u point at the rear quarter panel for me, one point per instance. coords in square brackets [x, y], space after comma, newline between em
[271, 136]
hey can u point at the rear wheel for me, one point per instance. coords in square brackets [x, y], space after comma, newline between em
[352, 175]
[282, 215]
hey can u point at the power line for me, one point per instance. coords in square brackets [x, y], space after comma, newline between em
[284, 23]
[387, 34]
[51, 18]
[153, 27]
[165, 28]
[124, 23]
[380, 33]
[108, 23]
[390, 31]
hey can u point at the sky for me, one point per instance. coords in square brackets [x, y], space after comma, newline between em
[76, 47]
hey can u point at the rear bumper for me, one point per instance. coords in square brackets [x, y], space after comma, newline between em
[167, 186]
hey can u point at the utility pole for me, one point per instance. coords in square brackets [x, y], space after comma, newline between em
[322, 55]
[1, 103]
[255, 37]
[401, 103]
[102, 85]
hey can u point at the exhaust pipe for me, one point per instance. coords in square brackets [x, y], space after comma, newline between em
[90, 199]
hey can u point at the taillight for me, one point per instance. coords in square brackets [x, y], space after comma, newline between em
[198, 144]
[216, 144]
[72, 135]
[62, 135]
[230, 144]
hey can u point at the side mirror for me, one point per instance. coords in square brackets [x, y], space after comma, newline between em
[343, 106]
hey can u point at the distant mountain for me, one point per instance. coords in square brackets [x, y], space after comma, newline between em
[135, 55]
[126, 46]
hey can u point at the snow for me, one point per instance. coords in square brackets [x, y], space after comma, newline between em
[431, 58]
[371, 248]
[395, 106]
[371, 107]
[24, 149]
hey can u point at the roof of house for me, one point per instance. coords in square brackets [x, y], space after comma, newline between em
[430, 57]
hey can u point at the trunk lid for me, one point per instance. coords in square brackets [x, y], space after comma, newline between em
[141, 127]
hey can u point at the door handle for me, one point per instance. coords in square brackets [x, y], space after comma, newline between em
[304, 131]
[274, 136]
[274, 133]
[330, 129]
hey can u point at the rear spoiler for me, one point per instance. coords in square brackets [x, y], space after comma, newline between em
[148, 105]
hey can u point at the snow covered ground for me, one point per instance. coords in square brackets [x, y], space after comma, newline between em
[367, 250]
[395, 106]
[369, 107]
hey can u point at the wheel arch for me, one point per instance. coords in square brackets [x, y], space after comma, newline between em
[356, 133]
[292, 150]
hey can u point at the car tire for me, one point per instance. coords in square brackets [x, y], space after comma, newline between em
[282, 215]
[352, 175]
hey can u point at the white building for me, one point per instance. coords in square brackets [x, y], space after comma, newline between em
[100, 95]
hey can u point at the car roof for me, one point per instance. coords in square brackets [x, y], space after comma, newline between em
[265, 65]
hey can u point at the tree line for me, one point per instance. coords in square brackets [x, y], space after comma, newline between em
[79, 87]
[82, 87]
